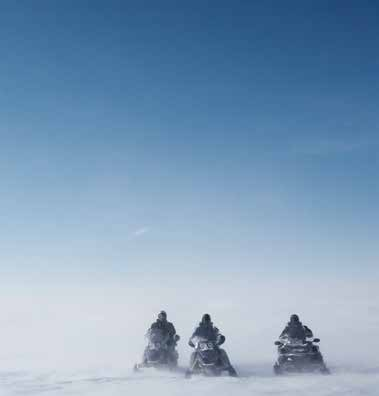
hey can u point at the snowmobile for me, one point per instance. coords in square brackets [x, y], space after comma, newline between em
[299, 356]
[157, 354]
[207, 359]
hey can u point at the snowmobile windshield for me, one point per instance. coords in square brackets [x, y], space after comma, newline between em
[206, 346]
[202, 343]
[156, 336]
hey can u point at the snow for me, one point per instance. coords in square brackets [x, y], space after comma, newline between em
[258, 382]
[67, 339]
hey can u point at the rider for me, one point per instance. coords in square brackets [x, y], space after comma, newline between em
[296, 330]
[169, 334]
[211, 333]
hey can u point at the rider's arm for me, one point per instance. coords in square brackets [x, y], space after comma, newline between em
[220, 339]
[308, 332]
[148, 332]
[172, 330]
[194, 334]
[284, 333]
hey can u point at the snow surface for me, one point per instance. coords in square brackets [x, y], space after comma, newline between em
[84, 340]
[254, 381]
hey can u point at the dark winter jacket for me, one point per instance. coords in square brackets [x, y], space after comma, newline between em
[209, 332]
[167, 329]
[296, 331]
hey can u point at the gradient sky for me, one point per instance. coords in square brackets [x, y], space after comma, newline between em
[155, 136]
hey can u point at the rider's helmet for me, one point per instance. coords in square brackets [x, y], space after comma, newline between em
[206, 319]
[162, 316]
[294, 319]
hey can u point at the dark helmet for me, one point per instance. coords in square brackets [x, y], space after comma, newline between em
[294, 318]
[162, 316]
[206, 318]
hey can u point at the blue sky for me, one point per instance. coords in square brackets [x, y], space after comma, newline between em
[139, 137]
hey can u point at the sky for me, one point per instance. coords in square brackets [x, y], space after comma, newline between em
[141, 138]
